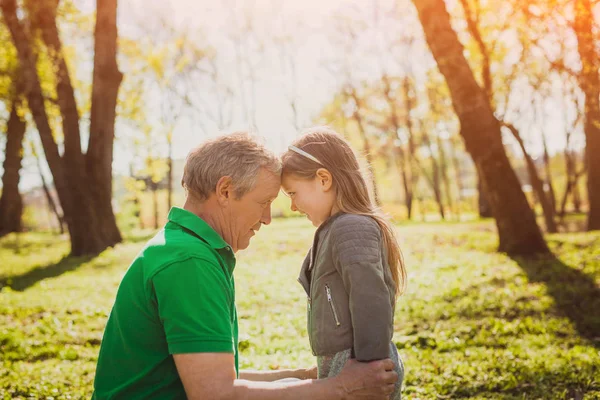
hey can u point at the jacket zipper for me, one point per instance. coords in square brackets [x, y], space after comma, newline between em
[330, 300]
[310, 332]
[309, 317]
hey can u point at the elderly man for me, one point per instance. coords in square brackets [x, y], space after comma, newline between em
[173, 330]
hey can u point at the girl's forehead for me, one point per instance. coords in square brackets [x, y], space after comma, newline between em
[289, 179]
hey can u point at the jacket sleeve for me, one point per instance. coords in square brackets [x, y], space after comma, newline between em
[356, 252]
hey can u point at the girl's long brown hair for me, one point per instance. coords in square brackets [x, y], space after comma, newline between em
[352, 195]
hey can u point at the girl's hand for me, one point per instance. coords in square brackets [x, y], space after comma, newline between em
[310, 373]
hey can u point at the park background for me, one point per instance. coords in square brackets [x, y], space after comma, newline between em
[476, 121]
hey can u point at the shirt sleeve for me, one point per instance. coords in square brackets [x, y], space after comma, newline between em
[194, 303]
[356, 250]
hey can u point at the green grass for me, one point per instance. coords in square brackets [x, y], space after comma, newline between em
[473, 323]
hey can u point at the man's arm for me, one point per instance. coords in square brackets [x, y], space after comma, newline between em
[212, 375]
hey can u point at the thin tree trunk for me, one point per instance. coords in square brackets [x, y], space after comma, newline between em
[458, 177]
[403, 162]
[136, 200]
[434, 181]
[170, 173]
[406, 184]
[563, 203]
[536, 183]
[11, 203]
[155, 202]
[572, 183]
[517, 227]
[366, 145]
[438, 164]
[412, 160]
[576, 197]
[51, 203]
[444, 173]
[590, 85]
[551, 192]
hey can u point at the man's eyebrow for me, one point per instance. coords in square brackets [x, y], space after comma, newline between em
[270, 198]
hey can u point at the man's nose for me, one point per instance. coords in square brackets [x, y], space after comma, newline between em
[266, 217]
[293, 206]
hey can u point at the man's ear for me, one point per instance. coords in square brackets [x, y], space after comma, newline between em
[325, 179]
[224, 190]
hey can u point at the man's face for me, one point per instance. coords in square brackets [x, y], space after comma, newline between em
[253, 209]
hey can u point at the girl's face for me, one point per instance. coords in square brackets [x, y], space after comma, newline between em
[313, 197]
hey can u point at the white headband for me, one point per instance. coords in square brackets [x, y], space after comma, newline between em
[305, 154]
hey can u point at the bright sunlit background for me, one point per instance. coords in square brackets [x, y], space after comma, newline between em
[198, 68]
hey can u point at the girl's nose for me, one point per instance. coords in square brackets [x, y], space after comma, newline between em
[293, 206]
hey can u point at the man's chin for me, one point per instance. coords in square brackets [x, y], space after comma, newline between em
[244, 244]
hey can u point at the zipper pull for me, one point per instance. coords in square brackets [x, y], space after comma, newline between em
[330, 300]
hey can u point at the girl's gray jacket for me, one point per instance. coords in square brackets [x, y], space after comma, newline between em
[351, 292]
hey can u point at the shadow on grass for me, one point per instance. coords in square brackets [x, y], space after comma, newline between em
[30, 278]
[22, 243]
[575, 294]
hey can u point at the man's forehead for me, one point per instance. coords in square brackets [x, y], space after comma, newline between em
[269, 182]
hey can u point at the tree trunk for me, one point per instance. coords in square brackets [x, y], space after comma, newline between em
[517, 227]
[83, 183]
[590, 84]
[106, 82]
[11, 203]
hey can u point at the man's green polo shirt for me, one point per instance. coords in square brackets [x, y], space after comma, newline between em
[178, 296]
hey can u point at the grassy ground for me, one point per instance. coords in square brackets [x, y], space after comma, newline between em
[474, 323]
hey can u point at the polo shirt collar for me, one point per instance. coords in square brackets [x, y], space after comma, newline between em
[198, 226]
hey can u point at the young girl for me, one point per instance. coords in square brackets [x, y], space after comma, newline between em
[354, 270]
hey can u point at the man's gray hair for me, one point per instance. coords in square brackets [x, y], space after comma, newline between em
[237, 155]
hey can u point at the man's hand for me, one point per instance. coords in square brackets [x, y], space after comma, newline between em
[372, 380]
